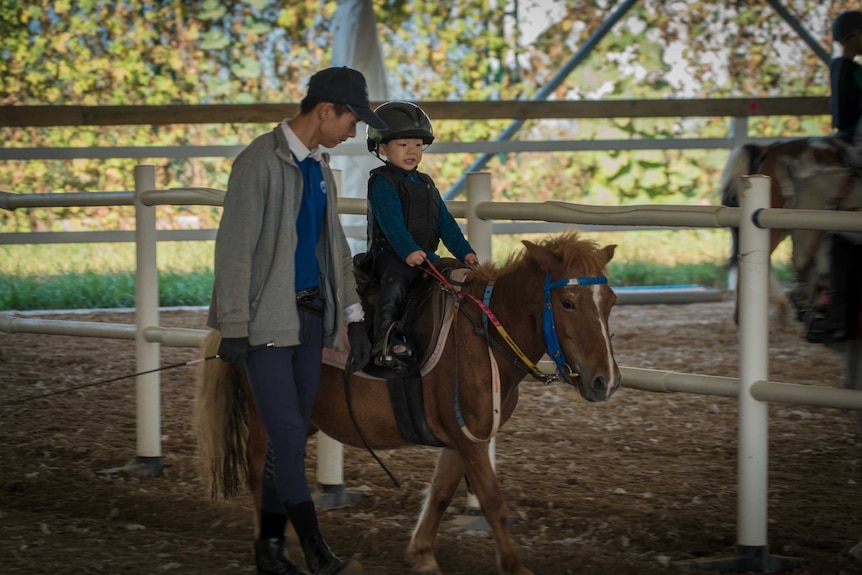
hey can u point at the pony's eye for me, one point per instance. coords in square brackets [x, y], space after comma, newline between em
[568, 304]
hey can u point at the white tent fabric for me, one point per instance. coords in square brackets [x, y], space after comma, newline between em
[356, 44]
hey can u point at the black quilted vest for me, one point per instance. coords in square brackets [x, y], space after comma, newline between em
[420, 205]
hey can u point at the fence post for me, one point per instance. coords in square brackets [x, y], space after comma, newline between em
[330, 475]
[753, 365]
[752, 505]
[480, 234]
[752, 546]
[330, 454]
[738, 132]
[148, 402]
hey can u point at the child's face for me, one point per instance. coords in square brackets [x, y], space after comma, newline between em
[406, 153]
[853, 43]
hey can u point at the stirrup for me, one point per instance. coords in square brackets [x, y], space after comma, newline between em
[394, 344]
[394, 353]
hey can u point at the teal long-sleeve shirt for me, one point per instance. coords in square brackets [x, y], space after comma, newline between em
[386, 205]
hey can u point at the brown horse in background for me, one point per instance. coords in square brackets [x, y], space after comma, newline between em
[809, 174]
[529, 291]
[785, 162]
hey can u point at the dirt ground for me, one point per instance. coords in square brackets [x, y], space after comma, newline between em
[627, 487]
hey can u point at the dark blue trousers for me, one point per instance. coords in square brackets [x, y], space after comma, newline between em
[284, 382]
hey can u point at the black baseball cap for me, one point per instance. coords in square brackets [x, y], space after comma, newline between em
[343, 85]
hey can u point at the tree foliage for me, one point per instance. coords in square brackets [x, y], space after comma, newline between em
[93, 52]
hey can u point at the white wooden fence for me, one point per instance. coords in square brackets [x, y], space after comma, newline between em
[752, 389]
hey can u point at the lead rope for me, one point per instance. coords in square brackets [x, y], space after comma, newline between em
[350, 368]
[528, 364]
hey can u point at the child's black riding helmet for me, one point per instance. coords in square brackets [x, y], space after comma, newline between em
[405, 120]
[846, 23]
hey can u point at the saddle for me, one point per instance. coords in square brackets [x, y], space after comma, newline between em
[424, 298]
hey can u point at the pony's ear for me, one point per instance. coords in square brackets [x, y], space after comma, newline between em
[545, 258]
[609, 252]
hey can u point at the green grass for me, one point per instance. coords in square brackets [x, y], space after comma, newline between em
[83, 276]
[80, 276]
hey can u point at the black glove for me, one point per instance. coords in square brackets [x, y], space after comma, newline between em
[233, 349]
[360, 345]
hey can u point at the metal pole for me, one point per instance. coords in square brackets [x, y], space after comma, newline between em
[547, 90]
[148, 402]
[803, 32]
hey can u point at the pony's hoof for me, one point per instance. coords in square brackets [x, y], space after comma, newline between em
[421, 564]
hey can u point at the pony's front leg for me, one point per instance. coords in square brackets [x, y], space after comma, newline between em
[483, 482]
[447, 476]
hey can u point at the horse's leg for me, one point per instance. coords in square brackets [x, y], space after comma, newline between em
[776, 290]
[483, 482]
[447, 476]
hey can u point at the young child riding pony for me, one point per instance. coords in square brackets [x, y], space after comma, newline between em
[407, 218]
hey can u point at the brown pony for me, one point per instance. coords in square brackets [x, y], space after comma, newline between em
[785, 162]
[567, 272]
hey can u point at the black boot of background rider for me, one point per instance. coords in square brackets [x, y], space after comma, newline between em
[830, 323]
[393, 290]
[319, 558]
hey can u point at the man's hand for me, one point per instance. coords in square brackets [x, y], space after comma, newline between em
[233, 349]
[360, 345]
[471, 260]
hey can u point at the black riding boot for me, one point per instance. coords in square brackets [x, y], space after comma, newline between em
[322, 561]
[270, 558]
[393, 290]
[319, 558]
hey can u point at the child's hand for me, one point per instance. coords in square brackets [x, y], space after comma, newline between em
[416, 258]
[471, 260]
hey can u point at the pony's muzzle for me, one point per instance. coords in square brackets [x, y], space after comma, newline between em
[599, 387]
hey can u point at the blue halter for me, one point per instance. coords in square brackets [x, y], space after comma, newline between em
[551, 342]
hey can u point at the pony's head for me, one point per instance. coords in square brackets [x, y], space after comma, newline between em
[577, 305]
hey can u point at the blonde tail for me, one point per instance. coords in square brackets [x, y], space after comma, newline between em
[221, 422]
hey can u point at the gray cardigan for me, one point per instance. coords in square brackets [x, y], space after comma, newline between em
[253, 294]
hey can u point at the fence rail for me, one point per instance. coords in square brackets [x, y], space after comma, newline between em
[46, 116]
